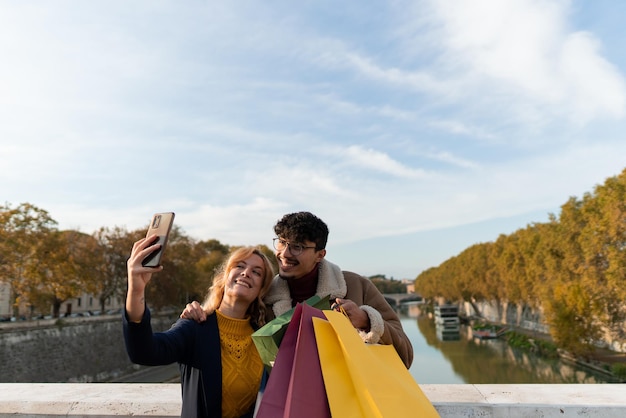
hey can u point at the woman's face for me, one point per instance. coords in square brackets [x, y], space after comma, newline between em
[245, 280]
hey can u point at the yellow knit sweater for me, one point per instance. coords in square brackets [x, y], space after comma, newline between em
[241, 366]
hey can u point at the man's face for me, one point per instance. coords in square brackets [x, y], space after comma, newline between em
[297, 265]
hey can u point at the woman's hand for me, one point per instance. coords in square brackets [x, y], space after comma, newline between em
[139, 276]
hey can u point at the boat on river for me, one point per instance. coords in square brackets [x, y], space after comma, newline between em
[447, 322]
[489, 333]
[447, 315]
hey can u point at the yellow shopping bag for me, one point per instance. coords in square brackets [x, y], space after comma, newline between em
[365, 380]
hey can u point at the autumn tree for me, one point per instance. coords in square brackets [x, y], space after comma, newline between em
[21, 230]
[528, 272]
[572, 296]
[111, 249]
[208, 255]
[385, 285]
[426, 283]
[473, 274]
[602, 241]
[63, 266]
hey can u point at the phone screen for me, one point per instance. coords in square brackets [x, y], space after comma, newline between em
[161, 225]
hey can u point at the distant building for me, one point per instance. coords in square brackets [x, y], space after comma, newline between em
[5, 300]
[410, 285]
[78, 306]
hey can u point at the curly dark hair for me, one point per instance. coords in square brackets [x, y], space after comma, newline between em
[302, 226]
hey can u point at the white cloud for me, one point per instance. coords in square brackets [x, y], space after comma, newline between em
[460, 128]
[514, 61]
[417, 80]
[381, 162]
[595, 87]
[526, 48]
[448, 157]
[249, 223]
[301, 180]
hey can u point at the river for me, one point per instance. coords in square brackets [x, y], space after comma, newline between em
[463, 359]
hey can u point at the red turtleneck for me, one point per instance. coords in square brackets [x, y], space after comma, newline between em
[303, 288]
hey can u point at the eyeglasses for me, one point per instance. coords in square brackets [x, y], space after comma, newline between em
[294, 247]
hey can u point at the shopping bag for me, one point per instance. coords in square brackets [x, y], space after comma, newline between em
[365, 380]
[295, 387]
[267, 338]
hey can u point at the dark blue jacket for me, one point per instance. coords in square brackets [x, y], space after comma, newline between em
[196, 347]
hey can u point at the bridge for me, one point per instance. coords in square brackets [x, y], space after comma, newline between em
[163, 400]
[395, 299]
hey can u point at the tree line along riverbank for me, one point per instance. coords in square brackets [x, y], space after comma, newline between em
[569, 271]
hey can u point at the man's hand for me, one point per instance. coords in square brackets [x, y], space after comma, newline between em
[194, 311]
[358, 317]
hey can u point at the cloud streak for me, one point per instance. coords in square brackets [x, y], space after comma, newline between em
[381, 162]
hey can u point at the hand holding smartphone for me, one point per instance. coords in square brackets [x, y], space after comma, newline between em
[161, 225]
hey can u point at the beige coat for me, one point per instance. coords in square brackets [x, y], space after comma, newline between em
[385, 324]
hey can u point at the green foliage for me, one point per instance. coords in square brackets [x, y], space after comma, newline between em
[619, 370]
[522, 341]
[385, 285]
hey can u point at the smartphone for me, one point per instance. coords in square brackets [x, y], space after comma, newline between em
[161, 225]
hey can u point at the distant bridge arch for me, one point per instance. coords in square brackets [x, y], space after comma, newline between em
[396, 299]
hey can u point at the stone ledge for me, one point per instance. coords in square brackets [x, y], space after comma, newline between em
[91, 400]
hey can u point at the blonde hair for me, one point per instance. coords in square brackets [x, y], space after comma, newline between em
[257, 308]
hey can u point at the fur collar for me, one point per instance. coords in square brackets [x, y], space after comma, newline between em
[330, 282]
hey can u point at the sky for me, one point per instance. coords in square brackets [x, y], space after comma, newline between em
[414, 129]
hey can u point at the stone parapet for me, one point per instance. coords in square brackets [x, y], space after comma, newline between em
[155, 400]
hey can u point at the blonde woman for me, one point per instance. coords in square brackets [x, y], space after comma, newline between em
[220, 367]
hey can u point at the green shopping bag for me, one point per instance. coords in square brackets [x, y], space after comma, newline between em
[268, 337]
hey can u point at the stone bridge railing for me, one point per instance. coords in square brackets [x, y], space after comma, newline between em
[102, 400]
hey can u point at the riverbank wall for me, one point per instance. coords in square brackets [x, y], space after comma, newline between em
[527, 318]
[84, 349]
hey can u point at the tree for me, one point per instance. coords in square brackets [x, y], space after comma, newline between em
[572, 328]
[111, 249]
[21, 230]
[571, 302]
[603, 241]
[385, 285]
[64, 262]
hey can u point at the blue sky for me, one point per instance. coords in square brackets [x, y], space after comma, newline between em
[413, 128]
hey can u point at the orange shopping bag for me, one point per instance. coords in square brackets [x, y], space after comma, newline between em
[365, 380]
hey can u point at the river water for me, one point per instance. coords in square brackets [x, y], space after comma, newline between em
[462, 359]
